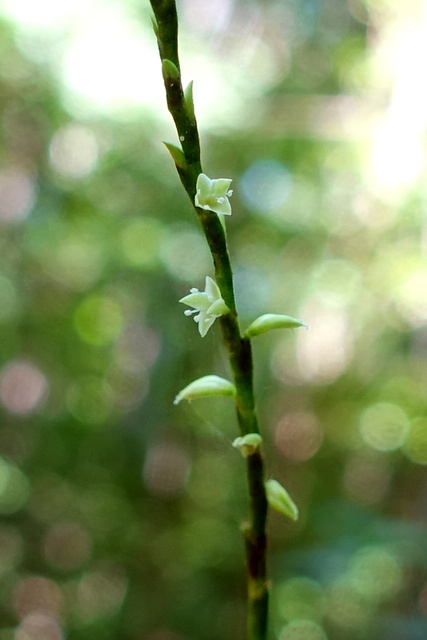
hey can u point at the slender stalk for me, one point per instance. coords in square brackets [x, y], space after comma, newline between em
[238, 347]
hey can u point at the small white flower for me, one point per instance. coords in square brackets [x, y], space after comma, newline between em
[213, 194]
[207, 304]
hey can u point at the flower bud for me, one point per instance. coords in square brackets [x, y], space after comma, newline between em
[177, 155]
[280, 500]
[189, 102]
[170, 70]
[270, 321]
[206, 386]
[248, 444]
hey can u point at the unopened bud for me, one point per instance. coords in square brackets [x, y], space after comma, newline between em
[270, 321]
[177, 155]
[170, 70]
[280, 500]
[248, 444]
[205, 387]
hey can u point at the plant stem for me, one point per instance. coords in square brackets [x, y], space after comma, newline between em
[239, 348]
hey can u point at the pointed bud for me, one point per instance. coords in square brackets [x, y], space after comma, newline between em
[177, 155]
[280, 500]
[206, 386]
[189, 102]
[248, 444]
[170, 70]
[270, 321]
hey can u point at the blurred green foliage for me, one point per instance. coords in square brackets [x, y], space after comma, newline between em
[121, 512]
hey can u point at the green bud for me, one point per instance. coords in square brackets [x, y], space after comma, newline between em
[280, 500]
[189, 102]
[248, 444]
[270, 321]
[177, 155]
[206, 386]
[170, 70]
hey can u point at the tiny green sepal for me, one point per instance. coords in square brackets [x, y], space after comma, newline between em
[189, 102]
[177, 155]
[170, 70]
[270, 321]
[205, 387]
[280, 500]
[248, 444]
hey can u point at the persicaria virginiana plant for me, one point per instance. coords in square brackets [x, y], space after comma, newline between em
[210, 198]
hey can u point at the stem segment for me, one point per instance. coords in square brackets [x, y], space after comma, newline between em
[238, 347]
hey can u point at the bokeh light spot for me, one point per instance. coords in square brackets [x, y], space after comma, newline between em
[411, 297]
[140, 242]
[17, 195]
[265, 186]
[384, 426]
[38, 626]
[324, 352]
[301, 598]
[101, 64]
[137, 348]
[166, 469]
[298, 436]
[302, 630]
[186, 256]
[77, 262]
[14, 488]
[346, 609]
[90, 400]
[22, 387]
[73, 151]
[415, 446]
[366, 479]
[37, 594]
[100, 593]
[375, 574]
[98, 320]
[336, 282]
[67, 546]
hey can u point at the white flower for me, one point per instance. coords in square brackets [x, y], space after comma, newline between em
[207, 304]
[213, 194]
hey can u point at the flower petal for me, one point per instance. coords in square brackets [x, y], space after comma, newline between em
[203, 185]
[197, 300]
[211, 289]
[220, 187]
[222, 207]
[217, 308]
[205, 322]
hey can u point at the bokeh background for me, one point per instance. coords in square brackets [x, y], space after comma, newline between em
[120, 512]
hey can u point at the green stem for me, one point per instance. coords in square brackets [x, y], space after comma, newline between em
[238, 347]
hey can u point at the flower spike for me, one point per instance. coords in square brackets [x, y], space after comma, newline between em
[213, 195]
